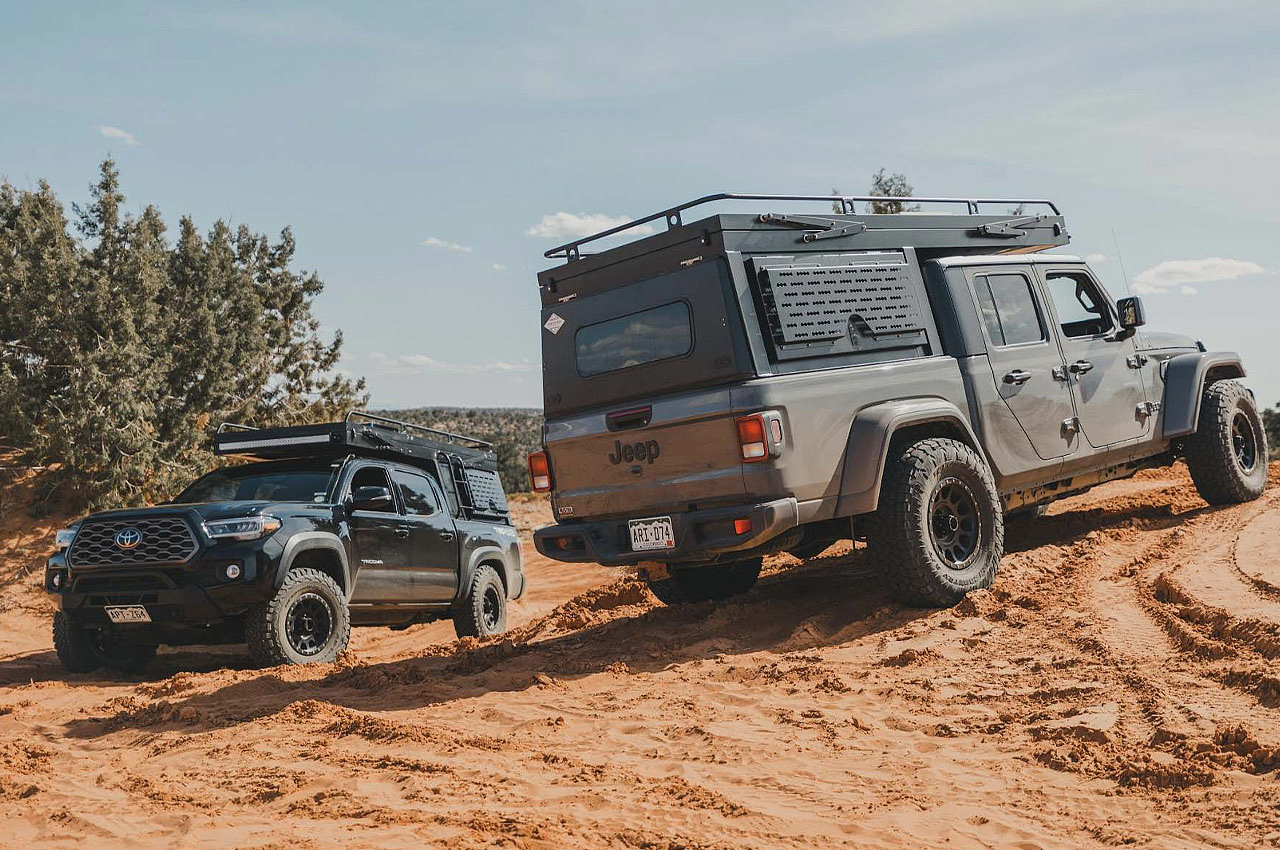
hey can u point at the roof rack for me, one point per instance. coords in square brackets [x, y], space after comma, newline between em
[672, 216]
[411, 426]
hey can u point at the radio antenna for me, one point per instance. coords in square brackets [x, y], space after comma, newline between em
[1120, 257]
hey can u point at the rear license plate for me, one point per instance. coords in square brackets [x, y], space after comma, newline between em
[128, 614]
[650, 534]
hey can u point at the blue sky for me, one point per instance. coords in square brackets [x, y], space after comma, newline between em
[426, 154]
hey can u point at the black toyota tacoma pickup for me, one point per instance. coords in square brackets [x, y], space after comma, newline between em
[368, 521]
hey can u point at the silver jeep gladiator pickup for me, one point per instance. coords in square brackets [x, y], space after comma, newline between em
[752, 383]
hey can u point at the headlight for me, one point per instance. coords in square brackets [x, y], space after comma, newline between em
[247, 528]
[64, 538]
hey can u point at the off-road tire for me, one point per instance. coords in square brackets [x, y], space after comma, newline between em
[921, 480]
[275, 639]
[1215, 456]
[82, 650]
[705, 584]
[484, 610]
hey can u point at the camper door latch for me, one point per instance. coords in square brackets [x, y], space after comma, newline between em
[1009, 229]
[827, 228]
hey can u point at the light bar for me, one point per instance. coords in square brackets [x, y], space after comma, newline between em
[273, 443]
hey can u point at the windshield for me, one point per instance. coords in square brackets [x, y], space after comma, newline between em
[310, 481]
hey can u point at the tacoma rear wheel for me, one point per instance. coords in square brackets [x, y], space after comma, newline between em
[82, 649]
[1227, 455]
[939, 530]
[702, 584]
[484, 611]
[305, 621]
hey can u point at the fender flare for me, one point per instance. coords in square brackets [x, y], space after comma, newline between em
[867, 451]
[310, 541]
[482, 554]
[1184, 377]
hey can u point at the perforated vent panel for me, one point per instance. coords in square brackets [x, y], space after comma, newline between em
[874, 305]
[486, 490]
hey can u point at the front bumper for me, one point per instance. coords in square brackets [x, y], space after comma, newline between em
[195, 594]
[700, 536]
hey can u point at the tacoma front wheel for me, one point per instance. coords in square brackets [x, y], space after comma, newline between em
[939, 530]
[306, 621]
[1227, 455]
[82, 649]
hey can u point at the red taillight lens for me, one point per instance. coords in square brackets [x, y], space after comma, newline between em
[540, 472]
[741, 526]
[752, 441]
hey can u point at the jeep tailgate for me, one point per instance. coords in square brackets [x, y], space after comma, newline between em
[687, 453]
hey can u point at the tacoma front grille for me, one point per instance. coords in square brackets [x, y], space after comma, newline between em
[163, 540]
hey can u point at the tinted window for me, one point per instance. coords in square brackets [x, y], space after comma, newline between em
[633, 340]
[1008, 309]
[369, 476]
[288, 481]
[1081, 308]
[416, 492]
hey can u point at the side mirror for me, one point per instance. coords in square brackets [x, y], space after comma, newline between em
[1132, 315]
[372, 499]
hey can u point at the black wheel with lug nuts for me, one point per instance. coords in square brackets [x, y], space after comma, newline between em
[1227, 455]
[82, 649]
[939, 530]
[305, 621]
[484, 610]
[685, 585]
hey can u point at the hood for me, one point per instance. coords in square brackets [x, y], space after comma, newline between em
[1162, 340]
[216, 510]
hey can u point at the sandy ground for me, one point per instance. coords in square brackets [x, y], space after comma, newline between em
[1119, 686]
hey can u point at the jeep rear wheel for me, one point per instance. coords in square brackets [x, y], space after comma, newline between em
[703, 584]
[306, 621]
[939, 530]
[1227, 455]
[484, 611]
[82, 649]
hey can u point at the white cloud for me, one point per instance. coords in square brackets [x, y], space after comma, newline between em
[499, 267]
[106, 131]
[408, 364]
[1187, 290]
[563, 225]
[433, 242]
[1095, 259]
[1165, 276]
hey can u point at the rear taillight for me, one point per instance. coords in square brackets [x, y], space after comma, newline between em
[540, 472]
[760, 436]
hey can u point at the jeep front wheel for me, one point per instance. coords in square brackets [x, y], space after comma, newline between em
[305, 621]
[939, 529]
[686, 585]
[1227, 455]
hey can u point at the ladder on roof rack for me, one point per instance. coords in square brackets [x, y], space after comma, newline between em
[572, 250]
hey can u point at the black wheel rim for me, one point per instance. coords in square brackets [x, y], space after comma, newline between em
[954, 523]
[309, 624]
[1244, 442]
[490, 609]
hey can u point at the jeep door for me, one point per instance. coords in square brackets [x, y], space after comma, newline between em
[1103, 371]
[429, 561]
[1024, 357]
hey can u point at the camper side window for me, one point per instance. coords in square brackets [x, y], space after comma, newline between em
[648, 336]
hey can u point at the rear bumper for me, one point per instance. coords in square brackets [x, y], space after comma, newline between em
[704, 535]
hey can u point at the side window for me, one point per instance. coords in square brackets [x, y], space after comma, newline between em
[369, 476]
[1080, 306]
[1008, 308]
[416, 491]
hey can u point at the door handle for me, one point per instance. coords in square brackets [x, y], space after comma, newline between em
[446, 535]
[402, 532]
[1080, 367]
[1017, 376]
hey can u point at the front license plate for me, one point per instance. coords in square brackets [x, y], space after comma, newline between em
[650, 534]
[128, 614]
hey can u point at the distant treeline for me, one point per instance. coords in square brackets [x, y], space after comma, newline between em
[514, 432]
